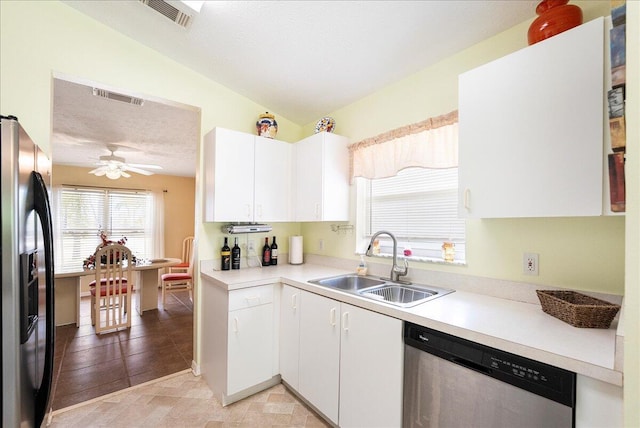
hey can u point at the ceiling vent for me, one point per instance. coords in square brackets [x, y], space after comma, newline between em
[168, 10]
[103, 93]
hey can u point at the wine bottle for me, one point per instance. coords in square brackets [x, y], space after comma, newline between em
[225, 255]
[266, 253]
[235, 255]
[274, 252]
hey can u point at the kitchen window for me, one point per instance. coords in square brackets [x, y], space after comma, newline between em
[407, 184]
[419, 206]
[82, 212]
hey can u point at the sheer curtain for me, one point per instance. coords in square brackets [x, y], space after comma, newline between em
[432, 143]
[157, 223]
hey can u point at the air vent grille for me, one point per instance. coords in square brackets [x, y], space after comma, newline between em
[103, 93]
[169, 11]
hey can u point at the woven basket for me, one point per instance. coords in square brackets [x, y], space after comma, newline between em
[578, 309]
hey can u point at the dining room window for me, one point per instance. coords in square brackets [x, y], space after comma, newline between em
[83, 212]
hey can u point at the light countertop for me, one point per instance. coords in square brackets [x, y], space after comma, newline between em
[513, 326]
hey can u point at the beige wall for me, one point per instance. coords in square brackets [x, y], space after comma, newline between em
[179, 199]
[578, 253]
[40, 40]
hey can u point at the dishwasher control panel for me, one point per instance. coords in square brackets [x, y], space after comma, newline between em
[526, 369]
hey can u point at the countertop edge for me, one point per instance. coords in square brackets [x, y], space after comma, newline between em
[298, 276]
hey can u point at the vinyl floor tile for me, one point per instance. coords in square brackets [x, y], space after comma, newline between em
[169, 402]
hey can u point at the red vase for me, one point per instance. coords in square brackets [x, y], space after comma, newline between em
[555, 16]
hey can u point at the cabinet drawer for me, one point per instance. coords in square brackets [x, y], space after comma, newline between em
[249, 297]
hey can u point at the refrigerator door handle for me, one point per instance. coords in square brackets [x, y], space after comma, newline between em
[43, 209]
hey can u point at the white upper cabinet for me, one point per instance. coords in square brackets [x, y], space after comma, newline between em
[272, 180]
[246, 178]
[531, 130]
[228, 175]
[321, 178]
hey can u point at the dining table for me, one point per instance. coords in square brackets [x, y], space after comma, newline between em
[68, 288]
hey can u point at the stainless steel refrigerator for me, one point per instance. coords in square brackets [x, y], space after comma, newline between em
[28, 322]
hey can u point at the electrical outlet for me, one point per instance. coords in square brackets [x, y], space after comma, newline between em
[320, 244]
[530, 264]
[251, 246]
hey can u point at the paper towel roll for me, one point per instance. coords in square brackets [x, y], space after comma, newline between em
[295, 250]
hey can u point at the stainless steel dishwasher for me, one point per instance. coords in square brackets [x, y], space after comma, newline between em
[453, 382]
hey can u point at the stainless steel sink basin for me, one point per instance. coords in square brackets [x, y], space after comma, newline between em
[403, 295]
[348, 282]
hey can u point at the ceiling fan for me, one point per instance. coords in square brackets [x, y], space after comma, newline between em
[115, 167]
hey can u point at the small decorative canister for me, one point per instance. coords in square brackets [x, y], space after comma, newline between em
[448, 251]
[554, 17]
[267, 125]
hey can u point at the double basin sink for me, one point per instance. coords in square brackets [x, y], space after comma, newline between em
[395, 293]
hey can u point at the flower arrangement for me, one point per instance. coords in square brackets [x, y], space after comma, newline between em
[90, 262]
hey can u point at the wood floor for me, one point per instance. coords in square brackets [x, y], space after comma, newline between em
[89, 365]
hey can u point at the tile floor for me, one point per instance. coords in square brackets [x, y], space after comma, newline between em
[141, 377]
[88, 365]
[184, 400]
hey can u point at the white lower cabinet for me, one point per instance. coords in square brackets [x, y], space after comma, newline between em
[320, 353]
[290, 335]
[238, 340]
[371, 369]
[598, 404]
[349, 359]
[250, 341]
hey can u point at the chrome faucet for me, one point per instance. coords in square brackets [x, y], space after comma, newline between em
[396, 271]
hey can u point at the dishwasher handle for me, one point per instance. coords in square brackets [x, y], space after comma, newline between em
[471, 365]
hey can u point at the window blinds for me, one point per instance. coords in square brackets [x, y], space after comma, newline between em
[83, 212]
[416, 204]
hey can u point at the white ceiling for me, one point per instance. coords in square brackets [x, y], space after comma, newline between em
[156, 133]
[300, 59]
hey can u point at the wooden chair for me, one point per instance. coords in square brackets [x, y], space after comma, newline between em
[187, 251]
[110, 301]
[172, 282]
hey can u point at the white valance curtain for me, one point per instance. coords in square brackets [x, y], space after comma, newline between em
[432, 143]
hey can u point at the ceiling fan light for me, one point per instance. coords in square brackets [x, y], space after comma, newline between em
[113, 174]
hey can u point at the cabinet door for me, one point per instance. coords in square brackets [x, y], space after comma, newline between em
[371, 369]
[228, 175]
[250, 341]
[290, 335]
[322, 178]
[272, 180]
[531, 130]
[320, 353]
[335, 197]
[308, 179]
